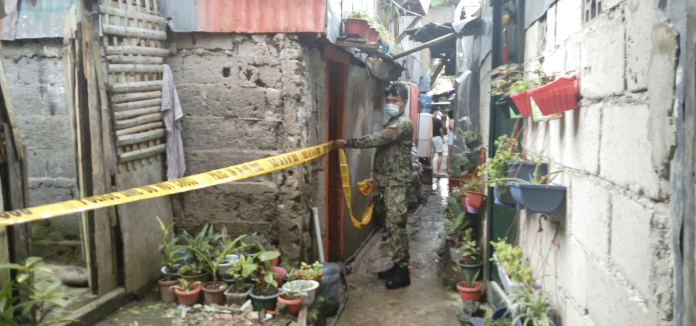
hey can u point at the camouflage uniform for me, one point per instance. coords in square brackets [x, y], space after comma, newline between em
[392, 175]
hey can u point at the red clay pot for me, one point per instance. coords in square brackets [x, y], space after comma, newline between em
[470, 294]
[558, 96]
[190, 298]
[524, 105]
[454, 183]
[293, 304]
[372, 35]
[216, 296]
[463, 199]
[281, 274]
[166, 291]
[476, 198]
[356, 26]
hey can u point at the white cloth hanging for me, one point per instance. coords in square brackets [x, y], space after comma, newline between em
[172, 114]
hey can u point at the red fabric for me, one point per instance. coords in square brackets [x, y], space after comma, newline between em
[414, 92]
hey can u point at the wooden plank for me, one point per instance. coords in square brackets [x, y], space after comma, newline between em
[373, 46]
[136, 96]
[136, 50]
[137, 104]
[103, 250]
[133, 32]
[140, 128]
[142, 153]
[135, 60]
[132, 14]
[18, 234]
[9, 108]
[134, 68]
[129, 123]
[132, 87]
[141, 137]
[135, 112]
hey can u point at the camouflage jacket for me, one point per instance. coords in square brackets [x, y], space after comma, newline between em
[392, 164]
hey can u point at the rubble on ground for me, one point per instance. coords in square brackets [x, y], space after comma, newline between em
[213, 315]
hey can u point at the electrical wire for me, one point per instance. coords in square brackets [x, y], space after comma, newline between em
[345, 277]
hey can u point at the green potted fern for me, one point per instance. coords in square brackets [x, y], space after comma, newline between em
[470, 262]
[187, 292]
[533, 307]
[170, 258]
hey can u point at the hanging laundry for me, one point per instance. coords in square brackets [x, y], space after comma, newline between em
[172, 114]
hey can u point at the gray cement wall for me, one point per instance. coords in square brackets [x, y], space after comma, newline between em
[611, 262]
[34, 72]
[246, 97]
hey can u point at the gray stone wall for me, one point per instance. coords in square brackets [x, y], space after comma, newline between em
[608, 259]
[247, 97]
[34, 71]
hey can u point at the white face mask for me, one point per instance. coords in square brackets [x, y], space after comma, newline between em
[392, 110]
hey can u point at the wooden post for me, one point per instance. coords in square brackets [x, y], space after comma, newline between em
[103, 254]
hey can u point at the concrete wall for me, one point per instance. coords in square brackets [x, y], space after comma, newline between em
[246, 97]
[606, 256]
[34, 72]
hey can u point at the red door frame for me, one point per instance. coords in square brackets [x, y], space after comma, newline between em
[336, 73]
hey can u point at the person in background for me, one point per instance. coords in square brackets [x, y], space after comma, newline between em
[450, 137]
[392, 175]
[438, 144]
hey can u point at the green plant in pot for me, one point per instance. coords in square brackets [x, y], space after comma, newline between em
[169, 259]
[455, 221]
[469, 289]
[37, 302]
[510, 259]
[471, 137]
[213, 292]
[495, 168]
[533, 308]
[503, 77]
[292, 297]
[238, 292]
[187, 291]
[265, 291]
[470, 262]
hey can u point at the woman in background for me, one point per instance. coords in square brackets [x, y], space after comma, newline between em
[450, 137]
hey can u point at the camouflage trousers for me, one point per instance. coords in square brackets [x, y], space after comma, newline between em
[391, 207]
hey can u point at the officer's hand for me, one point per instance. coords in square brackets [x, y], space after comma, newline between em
[339, 143]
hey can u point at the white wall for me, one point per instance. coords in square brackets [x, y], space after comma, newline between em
[612, 262]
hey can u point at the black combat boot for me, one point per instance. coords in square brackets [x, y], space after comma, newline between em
[385, 275]
[400, 279]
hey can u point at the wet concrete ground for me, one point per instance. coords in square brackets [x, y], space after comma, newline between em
[426, 301]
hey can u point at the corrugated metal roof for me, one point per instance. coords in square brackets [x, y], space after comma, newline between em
[246, 16]
[41, 18]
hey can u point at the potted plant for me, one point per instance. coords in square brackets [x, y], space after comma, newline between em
[536, 195]
[474, 196]
[461, 166]
[355, 23]
[292, 298]
[557, 96]
[533, 307]
[512, 270]
[187, 292]
[455, 221]
[238, 291]
[308, 287]
[310, 272]
[170, 258]
[503, 78]
[470, 263]
[520, 91]
[470, 290]
[471, 137]
[229, 258]
[213, 292]
[204, 243]
[495, 169]
[264, 294]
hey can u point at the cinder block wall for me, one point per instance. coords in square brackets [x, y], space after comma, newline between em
[247, 97]
[34, 70]
[608, 260]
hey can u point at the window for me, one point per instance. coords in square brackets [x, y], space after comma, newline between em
[591, 8]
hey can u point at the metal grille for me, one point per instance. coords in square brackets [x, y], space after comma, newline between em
[133, 39]
[591, 9]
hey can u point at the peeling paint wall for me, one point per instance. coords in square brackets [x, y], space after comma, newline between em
[34, 70]
[607, 258]
[247, 97]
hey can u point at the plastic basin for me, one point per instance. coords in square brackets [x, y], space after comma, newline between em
[541, 198]
[525, 170]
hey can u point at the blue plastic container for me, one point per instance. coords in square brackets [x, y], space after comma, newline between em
[538, 198]
[526, 170]
[503, 197]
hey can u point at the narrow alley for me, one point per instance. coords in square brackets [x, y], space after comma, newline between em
[426, 301]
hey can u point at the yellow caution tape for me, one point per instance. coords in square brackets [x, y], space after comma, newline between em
[365, 187]
[345, 178]
[196, 181]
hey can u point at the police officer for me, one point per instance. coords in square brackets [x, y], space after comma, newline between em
[392, 174]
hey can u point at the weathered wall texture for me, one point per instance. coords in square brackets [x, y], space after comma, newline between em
[34, 72]
[247, 97]
[611, 262]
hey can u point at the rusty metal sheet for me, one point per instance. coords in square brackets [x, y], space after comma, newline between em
[246, 16]
[41, 18]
